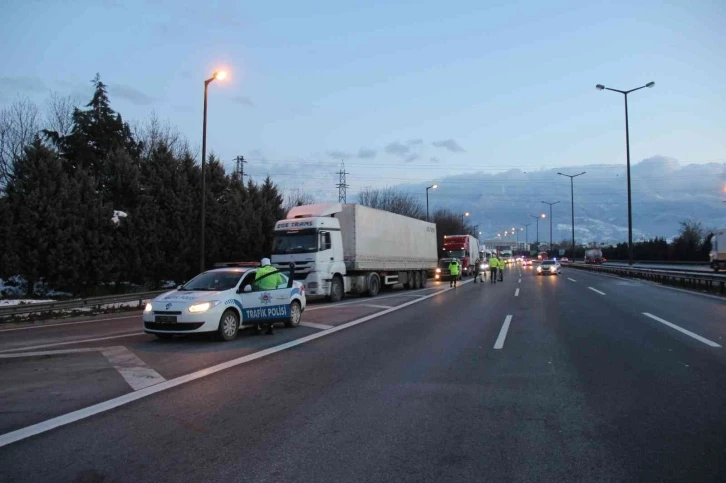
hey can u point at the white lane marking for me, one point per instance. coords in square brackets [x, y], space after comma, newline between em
[97, 321]
[28, 431]
[376, 306]
[682, 330]
[503, 333]
[516, 293]
[362, 301]
[519, 281]
[317, 326]
[571, 279]
[134, 371]
[72, 342]
[596, 290]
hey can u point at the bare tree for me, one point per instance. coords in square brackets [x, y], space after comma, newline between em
[395, 201]
[155, 132]
[59, 114]
[19, 125]
[297, 197]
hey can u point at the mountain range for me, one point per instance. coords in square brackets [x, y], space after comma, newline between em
[664, 193]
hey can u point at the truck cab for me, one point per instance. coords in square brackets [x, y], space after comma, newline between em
[311, 239]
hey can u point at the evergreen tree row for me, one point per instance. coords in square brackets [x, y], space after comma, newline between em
[57, 211]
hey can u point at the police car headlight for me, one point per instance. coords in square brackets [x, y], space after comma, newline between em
[438, 270]
[203, 307]
[552, 269]
[148, 307]
[539, 269]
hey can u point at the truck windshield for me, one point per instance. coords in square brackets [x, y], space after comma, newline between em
[303, 241]
[455, 253]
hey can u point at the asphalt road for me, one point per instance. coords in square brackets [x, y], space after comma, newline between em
[560, 378]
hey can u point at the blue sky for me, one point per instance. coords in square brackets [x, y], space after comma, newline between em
[405, 91]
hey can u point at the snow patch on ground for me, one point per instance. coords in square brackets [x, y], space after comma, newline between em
[7, 303]
[117, 215]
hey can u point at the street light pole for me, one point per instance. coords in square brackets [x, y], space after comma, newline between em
[551, 204]
[526, 233]
[221, 75]
[572, 200]
[537, 218]
[433, 186]
[601, 87]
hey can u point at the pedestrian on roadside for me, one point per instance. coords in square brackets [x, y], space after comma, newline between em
[493, 266]
[479, 272]
[453, 273]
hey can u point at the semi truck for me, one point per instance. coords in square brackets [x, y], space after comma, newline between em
[464, 248]
[717, 255]
[349, 248]
[593, 256]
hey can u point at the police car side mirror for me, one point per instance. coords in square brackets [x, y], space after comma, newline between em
[248, 288]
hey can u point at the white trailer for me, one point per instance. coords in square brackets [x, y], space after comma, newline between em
[717, 255]
[349, 248]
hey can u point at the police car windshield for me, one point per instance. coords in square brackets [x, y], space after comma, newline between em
[548, 262]
[213, 281]
[303, 241]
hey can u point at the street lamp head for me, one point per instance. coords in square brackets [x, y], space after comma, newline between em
[220, 75]
[650, 84]
[435, 186]
[543, 215]
[599, 87]
[466, 214]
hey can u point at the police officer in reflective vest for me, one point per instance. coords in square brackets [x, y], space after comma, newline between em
[453, 273]
[493, 266]
[263, 281]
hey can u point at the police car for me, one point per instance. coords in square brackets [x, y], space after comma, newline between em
[223, 300]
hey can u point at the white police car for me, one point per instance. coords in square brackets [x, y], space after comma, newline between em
[223, 300]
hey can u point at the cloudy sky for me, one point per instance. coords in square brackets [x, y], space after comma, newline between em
[403, 91]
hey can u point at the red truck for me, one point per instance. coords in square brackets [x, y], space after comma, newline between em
[464, 248]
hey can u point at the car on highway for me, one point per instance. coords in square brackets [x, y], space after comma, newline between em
[526, 262]
[549, 267]
[223, 300]
[564, 259]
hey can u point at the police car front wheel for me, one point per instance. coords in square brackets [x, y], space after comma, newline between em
[228, 325]
[295, 314]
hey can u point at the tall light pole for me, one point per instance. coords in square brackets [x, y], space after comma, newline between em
[433, 186]
[462, 217]
[627, 154]
[572, 200]
[537, 218]
[219, 75]
[551, 204]
[526, 232]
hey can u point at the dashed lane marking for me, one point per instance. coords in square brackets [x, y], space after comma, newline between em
[516, 293]
[571, 279]
[596, 290]
[682, 330]
[503, 333]
[73, 342]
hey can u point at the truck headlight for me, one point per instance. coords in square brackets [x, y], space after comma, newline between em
[203, 307]
[148, 307]
[438, 270]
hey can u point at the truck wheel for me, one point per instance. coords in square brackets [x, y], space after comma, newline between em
[336, 290]
[409, 280]
[417, 280]
[228, 325]
[424, 279]
[295, 314]
[374, 285]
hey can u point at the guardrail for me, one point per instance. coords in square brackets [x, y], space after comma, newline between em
[710, 282]
[97, 302]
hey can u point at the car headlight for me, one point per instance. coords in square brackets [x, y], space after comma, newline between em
[438, 270]
[552, 269]
[539, 269]
[203, 307]
[148, 307]
[484, 266]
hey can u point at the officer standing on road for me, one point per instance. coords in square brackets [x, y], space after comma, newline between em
[268, 278]
[478, 272]
[453, 273]
[501, 270]
[493, 266]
